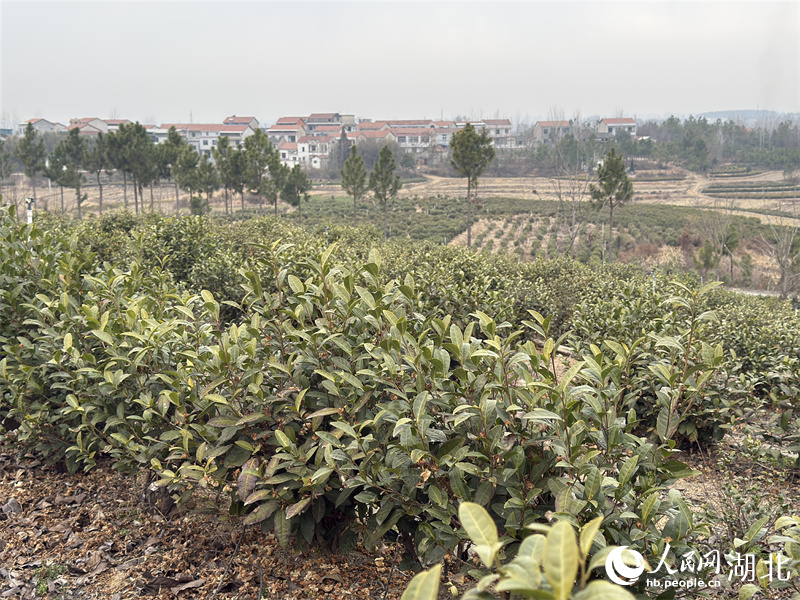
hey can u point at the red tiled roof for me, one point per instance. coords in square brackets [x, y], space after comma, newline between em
[411, 123]
[290, 121]
[89, 129]
[327, 128]
[496, 122]
[413, 131]
[285, 127]
[313, 138]
[447, 124]
[287, 146]
[372, 126]
[116, 121]
[36, 120]
[204, 127]
[369, 134]
[234, 120]
[622, 121]
[313, 116]
[553, 123]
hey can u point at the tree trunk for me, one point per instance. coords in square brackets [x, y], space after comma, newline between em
[62, 199]
[469, 212]
[354, 211]
[226, 200]
[78, 201]
[135, 196]
[385, 222]
[100, 186]
[152, 199]
[125, 188]
[242, 195]
[611, 230]
[33, 183]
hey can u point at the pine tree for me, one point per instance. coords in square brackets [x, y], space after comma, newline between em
[295, 188]
[74, 149]
[30, 151]
[168, 154]
[96, 161]
[258, 149]
[471, 154]
[614, 188]
[354, 178]
[384, 183]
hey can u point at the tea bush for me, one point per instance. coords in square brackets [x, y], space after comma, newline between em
[351, 392]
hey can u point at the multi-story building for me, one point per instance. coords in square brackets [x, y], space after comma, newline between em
[609, 128]
[549, 132]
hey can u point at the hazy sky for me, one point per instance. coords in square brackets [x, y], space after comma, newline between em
[164, 61]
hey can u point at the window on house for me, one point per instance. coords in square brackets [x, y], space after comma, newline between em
[205, 142]
[545, 130]
[401, 139]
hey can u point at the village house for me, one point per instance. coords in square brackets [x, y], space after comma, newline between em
[287, 132]
[313, 150]
[86, 128]
[96, 125]
[40, 126]
[288, 153]
[609, 128]
[382, 135]
[252, 122]
[500, 132]
[550, 132]
[414, 139]
[113, 124]
[316, 119]
[204, 137]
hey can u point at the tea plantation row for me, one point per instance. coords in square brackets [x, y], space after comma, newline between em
[339, 393]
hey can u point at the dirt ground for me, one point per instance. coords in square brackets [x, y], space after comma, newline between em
[89, 536]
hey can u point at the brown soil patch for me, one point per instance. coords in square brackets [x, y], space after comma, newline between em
[97, 540]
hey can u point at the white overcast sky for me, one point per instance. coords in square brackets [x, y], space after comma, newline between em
[164, 61]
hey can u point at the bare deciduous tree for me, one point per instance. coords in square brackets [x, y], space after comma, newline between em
[783, 245]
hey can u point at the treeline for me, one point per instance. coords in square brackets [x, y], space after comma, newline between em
[253, 167]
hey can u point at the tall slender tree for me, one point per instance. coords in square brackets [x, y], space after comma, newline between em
[74, 149]
[185, 170]
[384, 183]
[117, 161]
[354, 178]
[278, 176]
[296, 188]
[96, 161]
[168, 153]
[207, 178]
[6, 162]
[613, 188]
[223, 153]
[30, 151]
[471, 154]
[257, 148]
[55, 170]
